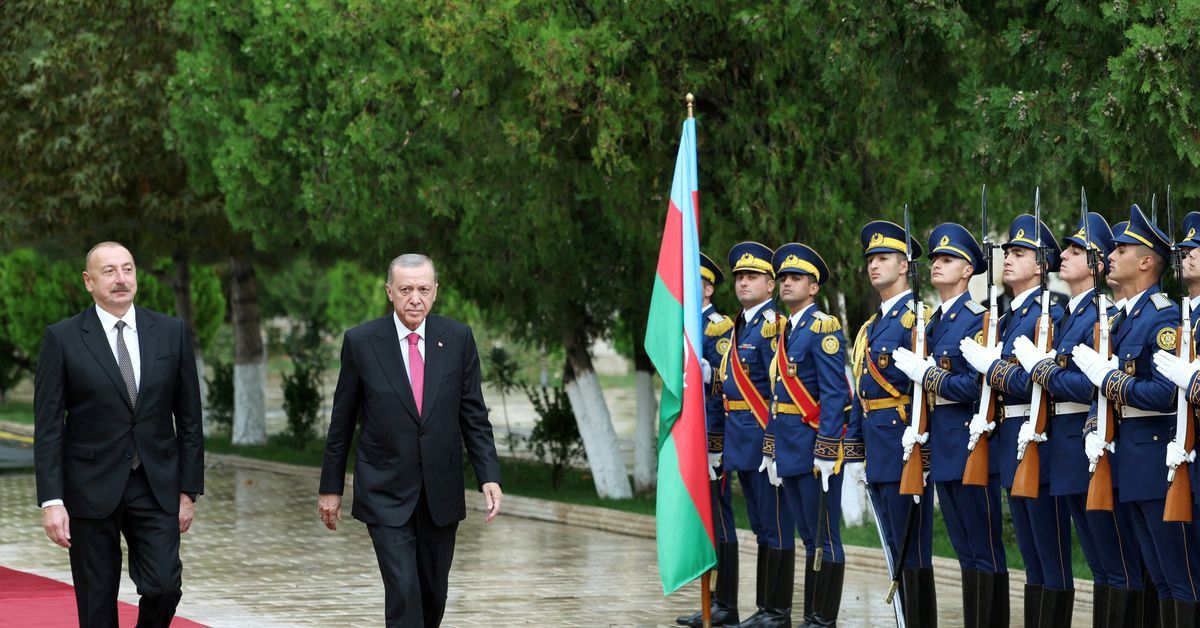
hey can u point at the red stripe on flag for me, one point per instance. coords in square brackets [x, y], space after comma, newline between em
[691, 440]
[670, 255]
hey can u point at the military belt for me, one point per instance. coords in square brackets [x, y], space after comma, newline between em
[885, 403]
[1063, 408]
[736, 404]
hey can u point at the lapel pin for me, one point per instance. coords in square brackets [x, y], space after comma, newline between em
[439, 343]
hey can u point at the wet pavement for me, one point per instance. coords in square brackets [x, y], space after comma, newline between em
[258, 556]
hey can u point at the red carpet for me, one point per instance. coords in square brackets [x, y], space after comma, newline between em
[29, 600]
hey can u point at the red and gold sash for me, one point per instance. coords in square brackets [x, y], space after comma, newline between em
[758, 406]
[810, 410]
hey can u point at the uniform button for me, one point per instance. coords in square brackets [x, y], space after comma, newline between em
[893, 421]
[883, 348]
[966, 423]
[776, 397]
[129, 456]
[999, 397]
[1156, 437]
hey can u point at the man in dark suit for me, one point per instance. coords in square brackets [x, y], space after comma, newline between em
[414, 380]
[118, 447]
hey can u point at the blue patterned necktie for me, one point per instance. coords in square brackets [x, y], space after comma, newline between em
[125, 363]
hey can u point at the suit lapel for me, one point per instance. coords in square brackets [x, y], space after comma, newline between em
[435, 363]
[387, 351]
[96, 342]
[147, 338]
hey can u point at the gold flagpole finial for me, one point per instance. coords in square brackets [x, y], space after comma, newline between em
[690, 101]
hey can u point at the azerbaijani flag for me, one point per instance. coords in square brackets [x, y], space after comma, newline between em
[673, 342]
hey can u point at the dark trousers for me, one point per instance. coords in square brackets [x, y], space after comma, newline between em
[974, 522]
[770, 519]
[802, 494]
[414, 560]
[154, 566]
[1043, 531]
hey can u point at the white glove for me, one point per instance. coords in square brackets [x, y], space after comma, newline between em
[911, 438]
[978, 427]
[856, 471]
[706, 371]
[1094, 447]
[714, 461]
[1025, 436]
[1177, 455]
[979, 357]
[824, 468]
[911, 365]
[1092, 365]
[768, 465]
[1179, 371]
[1028, 354]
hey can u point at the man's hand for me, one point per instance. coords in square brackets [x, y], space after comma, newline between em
[911, 438]
[909, 364]
[768, 465]
[492, 497]
[706, 371]
[187, 512]
[1027, 435]
[1093, 366]
[1028, 354]
[824, 469]
[714, 462]
[1095, 447]
[329, 505]
[980, 358]
[1179, 371]
[57, 524]
[857, 471]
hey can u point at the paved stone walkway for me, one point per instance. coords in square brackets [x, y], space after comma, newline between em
[258, 556]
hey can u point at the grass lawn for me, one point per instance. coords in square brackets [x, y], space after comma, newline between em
[17, 412]
[533, 479]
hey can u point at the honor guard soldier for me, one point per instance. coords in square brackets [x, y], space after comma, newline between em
[1041, 524]
[972, 513]
[716, 344]
[1114, 565]
[1146, 323]
[809, 412]
[882, 414]
[746, 385]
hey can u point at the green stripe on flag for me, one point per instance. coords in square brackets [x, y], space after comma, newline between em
[680, 532]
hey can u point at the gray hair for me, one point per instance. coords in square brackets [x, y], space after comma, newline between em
[411, 260]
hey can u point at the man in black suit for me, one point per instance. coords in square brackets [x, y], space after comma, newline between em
[118, 444]
[414, 380]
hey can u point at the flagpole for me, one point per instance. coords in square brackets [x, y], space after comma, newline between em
[706, 579]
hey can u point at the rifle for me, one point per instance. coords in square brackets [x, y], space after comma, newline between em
[976, 471]
[1100, 488]
[1179, 492]
[1026, 481]
[912, 481]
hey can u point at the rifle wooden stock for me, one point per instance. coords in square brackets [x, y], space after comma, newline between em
[1028, 477]
[912, 479]
[1100, 487]
[1179, 494]
[975, 473]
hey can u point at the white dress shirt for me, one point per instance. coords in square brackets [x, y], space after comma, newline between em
[887, 306]
[404, 332]
[108, 323]
[748, 315]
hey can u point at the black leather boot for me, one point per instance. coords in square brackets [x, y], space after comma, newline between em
[778, 613]
[1056, 608]
[1148, 609]
[1166, 612]
[1000, 599]
[810, 590]
[1033, 605]
[767, 561]
[970, 598]
[1100, 605]
[723, 611]
[984, 603]
[1185, 614]
[829, 595]
[928, 598]
[910, 590]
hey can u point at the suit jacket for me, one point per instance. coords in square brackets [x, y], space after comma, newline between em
[86, 427]
[400, 453]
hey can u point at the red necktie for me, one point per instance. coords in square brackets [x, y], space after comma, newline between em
[416, 370]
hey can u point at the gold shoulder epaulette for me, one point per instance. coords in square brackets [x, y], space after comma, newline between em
[909, 318]
[718, 328]
[825, 324]
[770, 329]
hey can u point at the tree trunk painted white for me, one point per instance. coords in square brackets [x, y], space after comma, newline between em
[599, 438]
[854, 502]
[249, 404]
[203, 394]
[645, 439]
[249, 358]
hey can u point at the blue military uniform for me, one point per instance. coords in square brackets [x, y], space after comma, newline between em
[746, 386]
[1041, 524]
[716, 343]
[1105, 537]
[809, 405]
[972, 513]
[1146, 400]
[879, 417]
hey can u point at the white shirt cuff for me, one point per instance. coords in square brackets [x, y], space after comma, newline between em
[52, 502]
